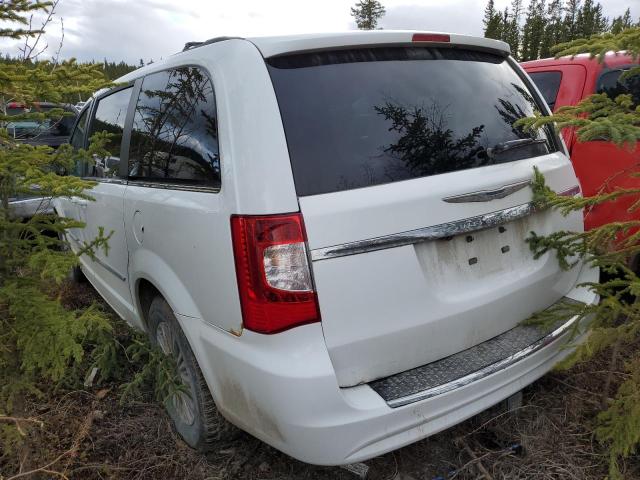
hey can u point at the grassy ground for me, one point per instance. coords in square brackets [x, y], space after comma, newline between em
[90, 434]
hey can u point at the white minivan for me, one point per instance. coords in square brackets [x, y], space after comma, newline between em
[328, 233]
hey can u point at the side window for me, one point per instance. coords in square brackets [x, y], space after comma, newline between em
[77, 140]
[77, 137]
[110, 115]
[174, 138]
[548, 83]
[611, 84]
[63, 126]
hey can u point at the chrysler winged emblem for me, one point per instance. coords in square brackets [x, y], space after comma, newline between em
[488, 195]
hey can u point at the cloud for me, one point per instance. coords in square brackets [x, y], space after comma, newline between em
[122, 30]
[461, 16]
[153, 29]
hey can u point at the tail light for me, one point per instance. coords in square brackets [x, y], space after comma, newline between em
[274, 276]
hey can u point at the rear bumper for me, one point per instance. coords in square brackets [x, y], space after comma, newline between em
[283, 389]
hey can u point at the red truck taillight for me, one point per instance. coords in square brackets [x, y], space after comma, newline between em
[274, 275]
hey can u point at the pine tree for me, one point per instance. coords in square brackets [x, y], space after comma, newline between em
[590, 20]
[622, 22]
[570, 30]
[367, 13]
[492, 21]
[553, 30]
[494, 27]
[615, 321]
[489, 14]
[40, 339]
[533, 30]
[512, 29]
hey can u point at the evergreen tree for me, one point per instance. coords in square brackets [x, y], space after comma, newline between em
[40, 339]
[570, 29]
[367, 13]
[494, 27]
[553, 30]
[590, 20]
[622, 22]
[493, 22]
[489, 14]
[614, 321]
[533, 30]
[512, 29]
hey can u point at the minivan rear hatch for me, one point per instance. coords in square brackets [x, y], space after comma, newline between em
[414, 188]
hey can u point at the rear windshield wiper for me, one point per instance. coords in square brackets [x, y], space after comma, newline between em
[502, 147]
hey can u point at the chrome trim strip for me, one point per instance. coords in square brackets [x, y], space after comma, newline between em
[109, 269]
[435, 232]
[174, 186]
[72, 236]
[488, 195]
[485, 372]
[97, 260]
[112, 180]
[571, 192]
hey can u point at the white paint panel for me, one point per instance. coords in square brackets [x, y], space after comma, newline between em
[271, 46]
[391, 310]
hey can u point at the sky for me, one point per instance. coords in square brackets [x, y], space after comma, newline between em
[131, 30]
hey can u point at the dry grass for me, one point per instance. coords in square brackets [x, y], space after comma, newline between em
[136, 441]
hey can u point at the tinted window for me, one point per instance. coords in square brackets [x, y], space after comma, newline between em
[77, 138]
[110, 115]
[77, 141]
[356, 118]
[548, 83]
[611, 84]
[174, 136]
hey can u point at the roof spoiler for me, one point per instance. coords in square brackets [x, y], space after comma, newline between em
[191, 45]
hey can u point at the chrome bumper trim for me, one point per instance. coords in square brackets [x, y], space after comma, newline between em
[489, 370]
[435, 232]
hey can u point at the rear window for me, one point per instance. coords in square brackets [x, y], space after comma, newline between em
[611, 84]
[548, 83]
[357, 118]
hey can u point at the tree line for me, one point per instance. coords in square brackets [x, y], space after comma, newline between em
[532, 33]
[111, 70]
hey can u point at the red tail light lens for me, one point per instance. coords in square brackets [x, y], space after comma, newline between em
[431, 37]
[274, 275]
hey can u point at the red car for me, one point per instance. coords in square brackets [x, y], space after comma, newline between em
[600, 166]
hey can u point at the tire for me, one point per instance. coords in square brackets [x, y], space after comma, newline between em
[193, 412]
[76, 275]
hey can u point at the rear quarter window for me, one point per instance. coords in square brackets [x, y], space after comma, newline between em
[548, 83]
[174, 138]
[357, 118]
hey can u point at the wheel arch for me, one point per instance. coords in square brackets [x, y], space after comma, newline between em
[150, 276]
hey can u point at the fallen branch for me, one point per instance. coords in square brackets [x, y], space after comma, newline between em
[83, 431]
[17, 420]
[475, 460]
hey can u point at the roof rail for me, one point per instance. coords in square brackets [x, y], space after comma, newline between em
[190, 45]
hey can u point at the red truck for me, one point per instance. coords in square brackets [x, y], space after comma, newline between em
[600, 166]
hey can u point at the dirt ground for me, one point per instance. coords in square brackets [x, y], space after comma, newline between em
[89, 434]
